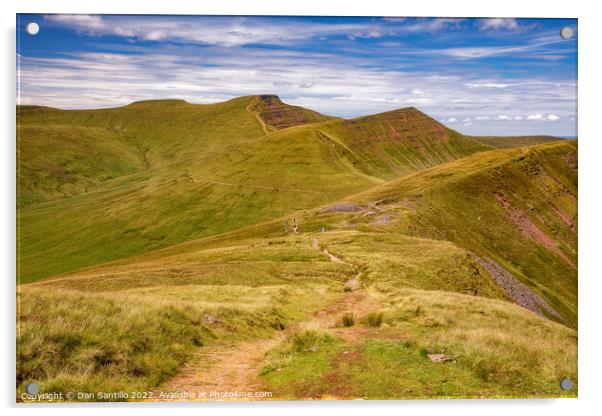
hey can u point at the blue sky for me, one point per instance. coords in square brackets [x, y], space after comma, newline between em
[479, 76]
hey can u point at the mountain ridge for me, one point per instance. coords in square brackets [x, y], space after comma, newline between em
[85, 176]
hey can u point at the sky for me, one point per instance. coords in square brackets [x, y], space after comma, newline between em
[485, 76]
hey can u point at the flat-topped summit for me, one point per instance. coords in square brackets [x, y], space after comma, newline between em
[279, 115]
[158, 103]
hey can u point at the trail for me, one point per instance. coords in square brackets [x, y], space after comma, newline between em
[234, 367]
[354, 282]
[257, 116]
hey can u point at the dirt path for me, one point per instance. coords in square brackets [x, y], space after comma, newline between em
[353, 283]
[257, 116]
[233, 368]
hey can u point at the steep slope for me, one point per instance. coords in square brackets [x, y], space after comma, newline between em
[56, 161]
[395, 143]
[159, 133]
[277, 116]
[504, 142]
[201, 170]
[514, 211]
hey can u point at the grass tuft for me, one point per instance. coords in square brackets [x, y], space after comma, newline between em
[346, 320]
[374, 319]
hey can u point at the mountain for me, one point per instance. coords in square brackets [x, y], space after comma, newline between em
[395, 143]
[472, 262]
[385, 256]
[99, 185]
[514, 211]
[503, 142]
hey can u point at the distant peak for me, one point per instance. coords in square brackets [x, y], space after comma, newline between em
[164, 102]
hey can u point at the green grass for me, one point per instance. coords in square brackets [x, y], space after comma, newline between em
[390, 261]
[173, 171]
[165, 213]
[503, 142]
[495, 350]
[373, 319]
[457, 205]
[134, 327]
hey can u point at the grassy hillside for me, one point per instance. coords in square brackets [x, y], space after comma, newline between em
[516, 207]
[173, 171]
[395, 143]
[424, 265]
[62, 161]
[381, 257]
[504, 142]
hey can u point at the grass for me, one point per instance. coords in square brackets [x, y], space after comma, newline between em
[159, 238]
[504, 142]
[373, 319]
[395, 143]
[87, 333]
[497, 350]
[170, 172]
[455, 209]
[305, 350]
[346, 320]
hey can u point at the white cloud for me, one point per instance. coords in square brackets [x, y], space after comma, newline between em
[532, 49]
[434, 24]
[333, 84]
[487, 85]
[233, 31]
[467, 124]
[517, 118]
[466, 120]
[541, 117]
[498, 24]
[504, 117]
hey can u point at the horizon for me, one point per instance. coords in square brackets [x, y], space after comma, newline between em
[273, 95]
[480, 76]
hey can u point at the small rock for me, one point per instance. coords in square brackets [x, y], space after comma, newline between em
[439, 358]
[314, 348]
[210, 319]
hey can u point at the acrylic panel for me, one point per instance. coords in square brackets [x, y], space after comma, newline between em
[292, 208]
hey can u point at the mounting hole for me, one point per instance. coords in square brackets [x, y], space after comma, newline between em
[566, 384]
[566, 32]
[32, 388]
[32, 28]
